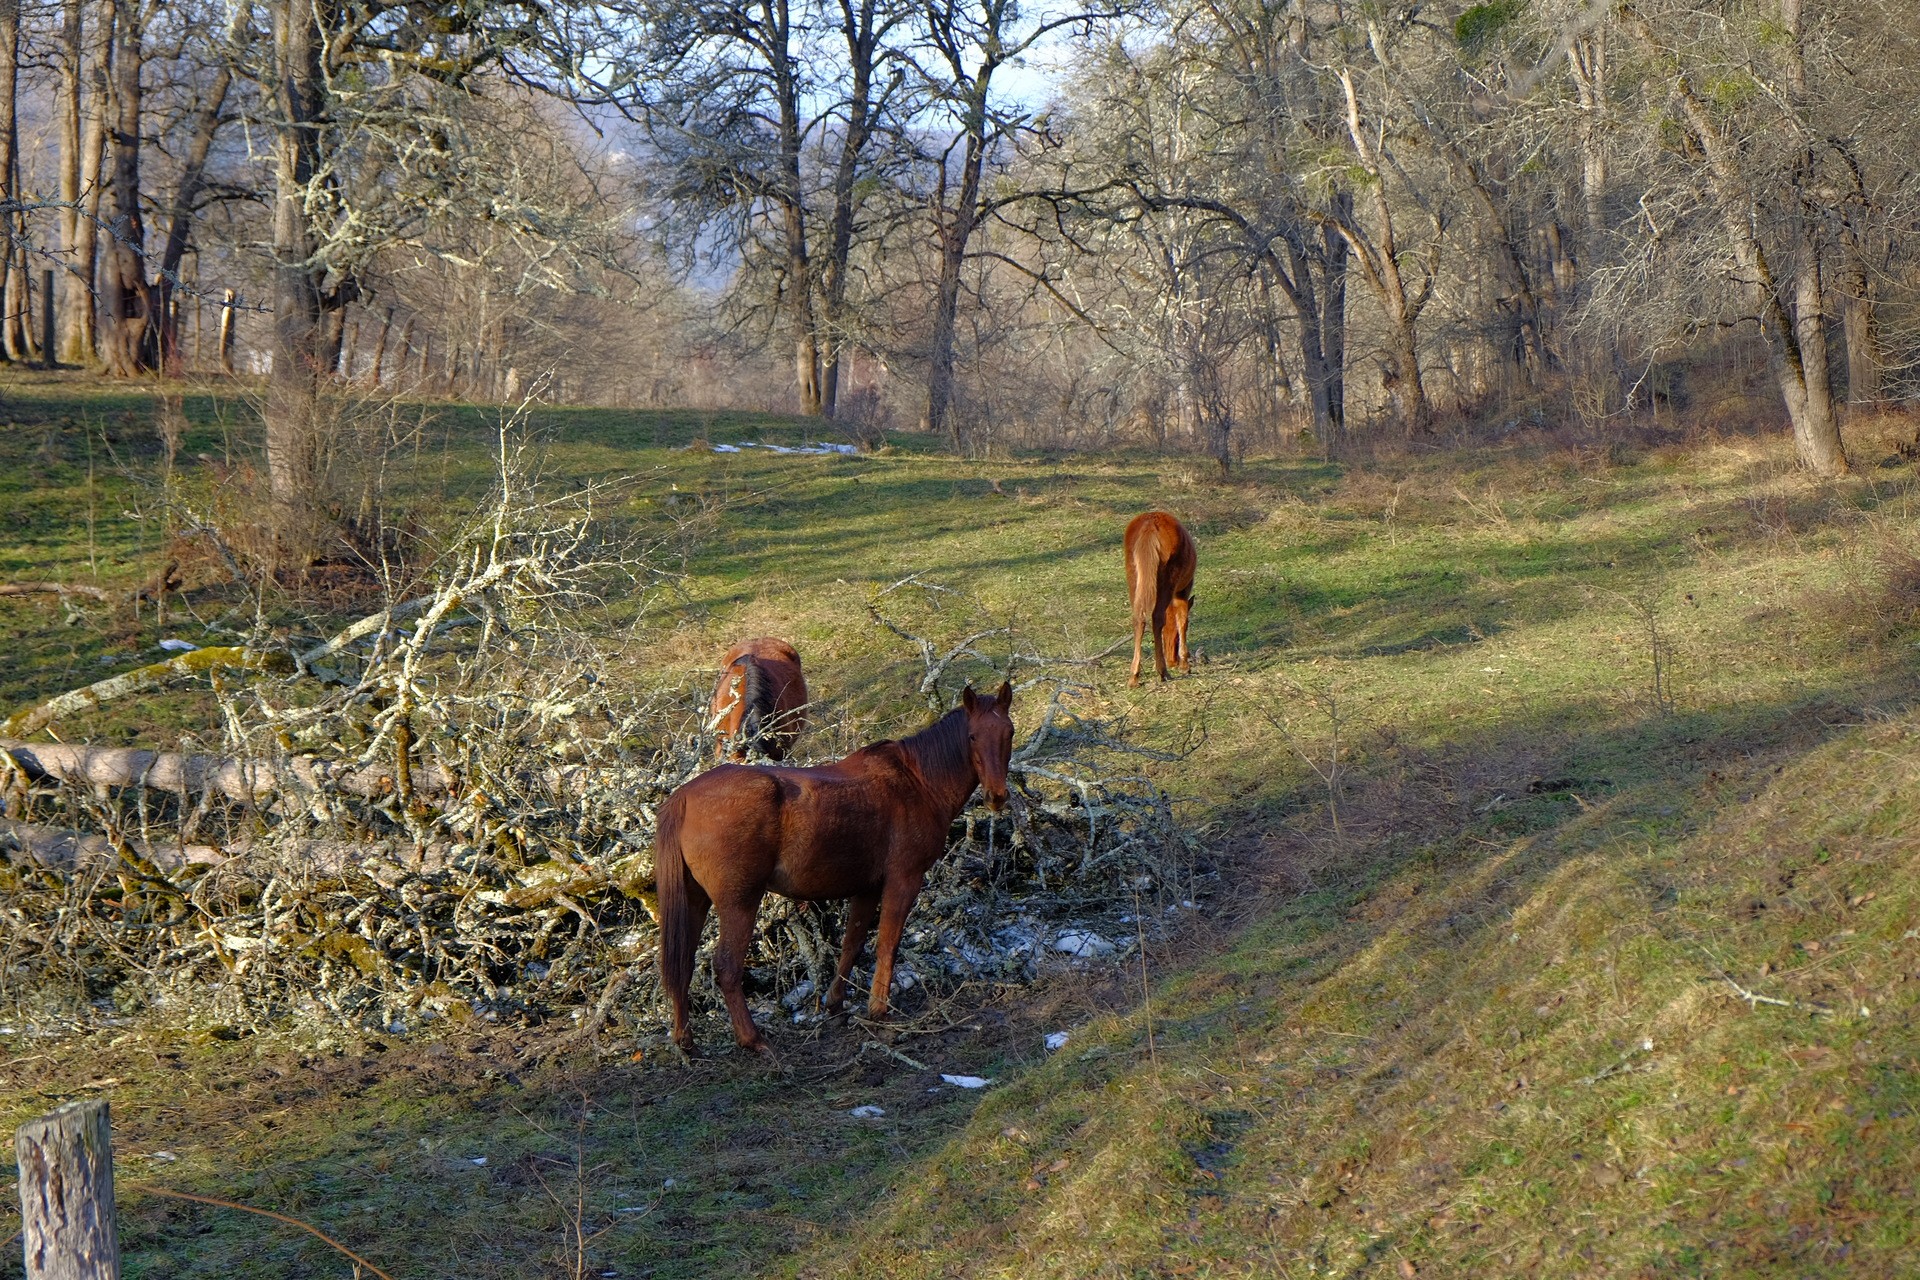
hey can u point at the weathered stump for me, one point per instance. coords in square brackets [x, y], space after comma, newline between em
[66, 1194]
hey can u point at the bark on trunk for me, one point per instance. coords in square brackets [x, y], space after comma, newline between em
[1333, 322]
[293, 387]
[1379, 255]
[1858, 315]
[13, 271]
[67, 97]
[128, 311]
[1587, 56]
[1311, 310]
[862, 36]
[941, 419]
[1861, 332]
[1796, 339]
[954, 227]
[378, 373]
[93, 92]
[791, 199]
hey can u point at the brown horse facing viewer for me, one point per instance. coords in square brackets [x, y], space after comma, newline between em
[1160, 561]
[760, 702]
[866, 828]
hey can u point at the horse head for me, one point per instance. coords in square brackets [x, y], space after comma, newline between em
[990, 740]
[1179, 611]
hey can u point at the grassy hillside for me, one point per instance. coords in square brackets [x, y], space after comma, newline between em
[1562, 796]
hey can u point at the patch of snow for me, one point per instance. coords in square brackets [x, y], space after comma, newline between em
[1056, 1041]
[479, 1162]
[1083, 944]
[966, 1082]
[867, 1112]
[172, 645]
[798, 996]
[846, 449]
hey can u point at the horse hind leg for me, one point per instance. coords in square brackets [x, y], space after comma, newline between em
[677, 996]
[730, 967]
[1161, 633]
[860, 914]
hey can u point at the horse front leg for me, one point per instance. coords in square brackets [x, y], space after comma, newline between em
[895, 902]
[860, 913]
[730, 967]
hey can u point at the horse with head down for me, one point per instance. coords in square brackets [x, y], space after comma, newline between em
[866, 828]
[760, 702]
[1160, 564]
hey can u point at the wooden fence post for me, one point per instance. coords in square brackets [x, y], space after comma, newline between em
[66, 1194]
[226, 332]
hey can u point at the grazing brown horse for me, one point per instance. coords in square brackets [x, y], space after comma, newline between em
[1160, 559]
[760, 703]
[866, 828]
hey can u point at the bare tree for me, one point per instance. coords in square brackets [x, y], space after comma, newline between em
[973, 130]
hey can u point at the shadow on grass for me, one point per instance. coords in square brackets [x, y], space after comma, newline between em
[1452, 848]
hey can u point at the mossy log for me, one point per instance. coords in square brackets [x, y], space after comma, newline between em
[155, 675]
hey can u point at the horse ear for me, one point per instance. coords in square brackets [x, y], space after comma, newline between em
[967, 698]
[1005, 696]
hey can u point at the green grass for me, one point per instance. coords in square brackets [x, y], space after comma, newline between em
[1414, 1043]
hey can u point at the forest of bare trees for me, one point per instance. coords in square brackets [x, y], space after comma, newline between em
[1214, 224]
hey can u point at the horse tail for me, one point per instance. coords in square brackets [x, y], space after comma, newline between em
[677, 940]
[1143, 564]
[757, 699]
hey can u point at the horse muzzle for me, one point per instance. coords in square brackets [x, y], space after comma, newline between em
[997, 803]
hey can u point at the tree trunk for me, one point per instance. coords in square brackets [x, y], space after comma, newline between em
[378, 373]
[66, 1194]
[955, 229]
[14, 279]
[193, 180]
[1587, 57]
[293, 388]
[1796, 340]
[1379, 255]
[129, 306]
[1858, 318]
[93, 75]
[862, 42]
[67, 97]
[806, 343]
[1860, 329]
[1333, 322]
[1310, 313]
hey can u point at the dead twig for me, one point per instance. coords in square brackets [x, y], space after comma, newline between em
[307, 1227]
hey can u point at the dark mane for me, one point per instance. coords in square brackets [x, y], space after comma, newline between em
[940, 749]
[756, 699]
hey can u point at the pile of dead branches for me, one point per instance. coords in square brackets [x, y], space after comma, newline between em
[446, 811]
